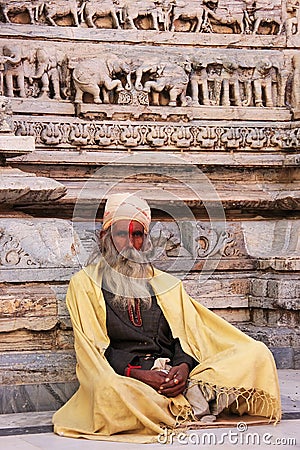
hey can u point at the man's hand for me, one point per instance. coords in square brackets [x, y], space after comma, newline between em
[175, 381]
[170, 385]
[154, 378]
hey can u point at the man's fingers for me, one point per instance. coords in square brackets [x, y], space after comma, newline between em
[176, 380]
[174, 391]
[171, 374]
[168, 390]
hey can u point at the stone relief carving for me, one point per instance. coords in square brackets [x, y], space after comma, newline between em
[31, 7]
[31, 73]
[293, 20]
[92, 74]
[60, 8]
[194, 12]
[210, 242]
[12, 62]
[258, 81]
[47, 73]
[124, 135]
[168, 77]
[5, 115]
[12, 254]
[247, 16]
[228, 83]
[295, 100]
[91, 9]
[158, 11]
[206, 16]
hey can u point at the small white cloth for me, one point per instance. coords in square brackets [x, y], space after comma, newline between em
[205, 403]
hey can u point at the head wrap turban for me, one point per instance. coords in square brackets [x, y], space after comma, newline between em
[126, 206]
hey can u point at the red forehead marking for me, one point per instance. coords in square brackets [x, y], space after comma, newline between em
[131, 227]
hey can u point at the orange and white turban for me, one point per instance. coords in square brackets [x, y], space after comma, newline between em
[126, 206]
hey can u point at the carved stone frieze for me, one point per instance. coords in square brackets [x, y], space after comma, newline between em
[159, 135]
[201, 240]
[203, 16]
[190, 79]
[206, 79]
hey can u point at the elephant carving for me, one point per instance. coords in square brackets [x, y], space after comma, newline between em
[164, 77]
[96, 75]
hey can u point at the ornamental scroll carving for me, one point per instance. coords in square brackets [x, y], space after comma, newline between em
[12, 254]
[145, 135]
[259, 80]
[210, 242]
[204, 16]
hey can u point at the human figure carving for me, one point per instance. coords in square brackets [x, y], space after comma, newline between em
[61, 8]
[215, 83]
[13, 70]
[293, 23]
[166, 76]
[192, 11]
[92, 74]
[283, 76]
[90, 9]
[47, 72]
[5, 116]
[32, 8]
[267, 11]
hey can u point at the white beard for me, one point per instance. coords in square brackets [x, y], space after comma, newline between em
[124, 274]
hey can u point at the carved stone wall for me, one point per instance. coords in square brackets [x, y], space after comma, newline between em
[197, 104]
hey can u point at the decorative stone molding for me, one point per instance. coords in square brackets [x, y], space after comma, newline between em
[142, 135]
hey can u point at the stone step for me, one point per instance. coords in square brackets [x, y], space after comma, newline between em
[116, 158]
[76, 34]
[231, 195]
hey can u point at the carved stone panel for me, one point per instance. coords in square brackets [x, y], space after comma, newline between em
[36, 243]
[111, 75]
[203, 16]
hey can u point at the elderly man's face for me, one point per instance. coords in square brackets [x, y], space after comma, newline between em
[127, 233]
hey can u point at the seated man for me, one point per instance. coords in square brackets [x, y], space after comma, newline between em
[148, 355]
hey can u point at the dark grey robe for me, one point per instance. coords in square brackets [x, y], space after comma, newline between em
[130, 344]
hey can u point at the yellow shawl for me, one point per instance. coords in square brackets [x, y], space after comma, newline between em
[109, 406]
